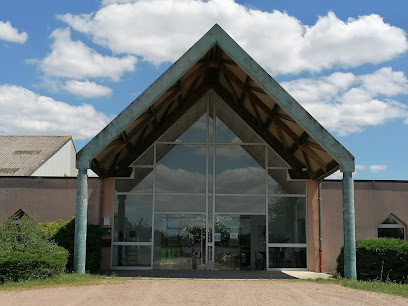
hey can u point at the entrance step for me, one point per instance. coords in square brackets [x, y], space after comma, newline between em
[218, 274]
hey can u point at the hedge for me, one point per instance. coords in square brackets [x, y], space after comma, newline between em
[383, 259]
[26, 254]
[63, 233]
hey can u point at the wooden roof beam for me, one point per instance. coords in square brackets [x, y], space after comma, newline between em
[148, 140]
[254, 124]
[312, 154]
[271, 115]
[244, 89]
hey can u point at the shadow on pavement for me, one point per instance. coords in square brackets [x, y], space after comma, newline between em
[204, 274]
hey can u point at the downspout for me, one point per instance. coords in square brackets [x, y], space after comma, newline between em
[319, 190]
[101, 201]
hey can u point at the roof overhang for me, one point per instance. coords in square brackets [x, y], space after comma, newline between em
[216, 62]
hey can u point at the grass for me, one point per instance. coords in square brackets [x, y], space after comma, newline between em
[373, 286]
[64, 280]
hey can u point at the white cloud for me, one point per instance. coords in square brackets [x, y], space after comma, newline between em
[86, 89]
[75, 60]
[8, 33]
[346, 103]
[27, 113]
[339, 175]
[173, 180]
[162, 30]
[378, 168]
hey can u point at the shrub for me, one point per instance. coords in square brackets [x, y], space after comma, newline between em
[26, 254]
[63, 233]
[379, 259]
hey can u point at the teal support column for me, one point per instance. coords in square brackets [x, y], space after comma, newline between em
[81, 217]
[349, 226]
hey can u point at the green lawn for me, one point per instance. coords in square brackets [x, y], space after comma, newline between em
[65, 280]
[388, 288]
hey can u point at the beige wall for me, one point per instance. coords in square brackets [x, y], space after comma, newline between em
[50, 199]
[312, 226]
[46, 199]
[374, 201]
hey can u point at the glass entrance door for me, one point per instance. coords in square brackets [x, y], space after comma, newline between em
[179, 242]
[240, 242]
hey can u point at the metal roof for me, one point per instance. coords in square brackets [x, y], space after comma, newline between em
[217, 63]
[23, 155]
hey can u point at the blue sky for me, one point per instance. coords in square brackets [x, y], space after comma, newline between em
[69, 67]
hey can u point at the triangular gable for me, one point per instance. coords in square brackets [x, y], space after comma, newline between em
[323, 140]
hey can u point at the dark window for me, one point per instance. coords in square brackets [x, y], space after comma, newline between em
[391, 228]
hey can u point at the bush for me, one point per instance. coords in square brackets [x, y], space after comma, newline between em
[63, 233]
[379, 259]
[26, 254]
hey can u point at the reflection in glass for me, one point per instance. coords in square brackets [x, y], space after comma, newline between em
[278, 183]
[142, 181]
[237, 171]
[240, 204]
[287, 258]
[133, 218]
[181, 168]
[287, 222]
[179, 242]
[230, 127]
[240, 242]
[146, 159]
[191, 127]
[180, 204]
[133, 256]
[274, 160]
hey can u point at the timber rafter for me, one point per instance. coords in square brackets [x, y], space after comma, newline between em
[242, 95]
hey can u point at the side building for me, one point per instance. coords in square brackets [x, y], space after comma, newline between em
[37, 179]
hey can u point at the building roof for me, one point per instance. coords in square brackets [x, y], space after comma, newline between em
[217, 63]
[23, 155]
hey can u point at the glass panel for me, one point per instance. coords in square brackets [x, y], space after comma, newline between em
[240, 204]
[278, 183]
[230, 127]
[397, 233]
[133, 218]
[146, 159]
[287, 222]
[226, 239]
[210, 217]
[136, 256]
[180, 204]
[192, 127]
[390, 220]
[274, 160]
[237, 171]
[210, 129]
[210, 167]
[181, 168]
[287, 258]
[179, 242]
[142, 181]
[240, 242]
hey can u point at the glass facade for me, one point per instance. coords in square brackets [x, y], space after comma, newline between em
[209, 194]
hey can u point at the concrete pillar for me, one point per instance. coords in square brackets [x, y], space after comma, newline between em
[349, 226]
[81, 217]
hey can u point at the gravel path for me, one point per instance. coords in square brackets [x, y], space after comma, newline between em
[201, 292]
